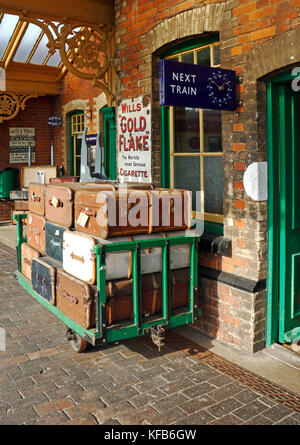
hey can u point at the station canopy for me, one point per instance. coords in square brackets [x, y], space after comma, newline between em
[30, 66]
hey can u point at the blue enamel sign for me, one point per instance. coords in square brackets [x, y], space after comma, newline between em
[196, 86]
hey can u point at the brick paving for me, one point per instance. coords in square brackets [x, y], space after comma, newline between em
[43, 381]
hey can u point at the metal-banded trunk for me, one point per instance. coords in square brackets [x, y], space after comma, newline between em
[43, 277]
[54, 241]
[107, 214]
[59, 201]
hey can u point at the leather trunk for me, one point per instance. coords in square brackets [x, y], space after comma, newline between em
[18, 212]
[54, 241]
[36, 233]
[171, 209]
[27, 255]
[59, 201]
[76, 299]
[106, 214]
[21, 205]
[43, 277]
[61, 179]
[36, 198]
[30, 173]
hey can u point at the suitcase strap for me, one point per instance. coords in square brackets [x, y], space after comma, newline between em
[77, 257]
[69, 297]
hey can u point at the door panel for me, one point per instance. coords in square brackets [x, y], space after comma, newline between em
[289, 189]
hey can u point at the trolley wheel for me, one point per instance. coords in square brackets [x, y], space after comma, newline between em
[78, 343]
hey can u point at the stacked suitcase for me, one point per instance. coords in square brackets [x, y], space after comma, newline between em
[66, 221]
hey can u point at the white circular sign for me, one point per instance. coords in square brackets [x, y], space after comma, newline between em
[256, 181]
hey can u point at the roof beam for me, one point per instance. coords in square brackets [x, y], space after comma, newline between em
[82, 11]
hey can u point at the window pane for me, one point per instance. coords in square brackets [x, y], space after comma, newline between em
[7, 28]
[27, 43]
[77, 165]
[78, 144]
[186, 130]
[187, 175]
[41, 52]
[213, 184]
[188, 58]
[212, 131]
[203, 57]
[216, 55]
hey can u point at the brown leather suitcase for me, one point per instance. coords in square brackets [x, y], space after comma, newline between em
[36, 233]
[21, 205]
[171, 209]
[27, 255]
[36, 198]
[18, 212]
[61, 179]
[59, 201]
[76, 299]
[43, 277]
[106, 214]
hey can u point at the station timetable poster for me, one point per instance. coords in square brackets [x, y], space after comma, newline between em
[19, 140]
[134, 140]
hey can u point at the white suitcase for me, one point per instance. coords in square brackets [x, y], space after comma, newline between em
[79, 260]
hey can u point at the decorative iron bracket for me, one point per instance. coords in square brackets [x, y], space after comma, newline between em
[86, 51]
[12, 103]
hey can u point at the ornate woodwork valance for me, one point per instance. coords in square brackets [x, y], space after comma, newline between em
[11, 104]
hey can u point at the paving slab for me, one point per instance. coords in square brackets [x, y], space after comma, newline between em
[43, 381]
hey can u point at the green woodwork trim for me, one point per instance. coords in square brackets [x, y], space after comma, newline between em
[71, 148]
[273, 217]
[210, 226]
[279, 147]
[165, 147]
[109, 137]
[191, 44]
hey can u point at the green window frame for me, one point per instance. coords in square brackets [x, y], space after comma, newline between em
[188, 52]
[76, 129]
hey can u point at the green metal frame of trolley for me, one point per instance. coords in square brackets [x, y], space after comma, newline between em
[154, 325]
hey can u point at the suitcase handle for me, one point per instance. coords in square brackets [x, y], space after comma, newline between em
[55, 243]
[27, 261]
[77, 257]
[89, 212]
[35, 197]
[34, 230]
[69, 297]
[59, 203]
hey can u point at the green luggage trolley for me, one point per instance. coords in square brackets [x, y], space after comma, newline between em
[156, 326]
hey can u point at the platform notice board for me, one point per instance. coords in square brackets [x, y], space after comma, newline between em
[19, 140]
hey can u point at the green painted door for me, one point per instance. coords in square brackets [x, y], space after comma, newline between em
[288, 137]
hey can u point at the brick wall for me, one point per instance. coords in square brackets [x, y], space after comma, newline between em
[257, 38]
[35, 116]
[76, 94]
